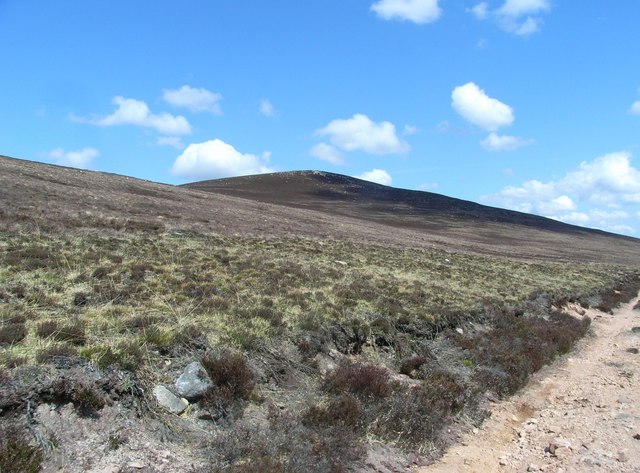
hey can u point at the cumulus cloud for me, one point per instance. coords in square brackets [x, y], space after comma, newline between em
[193, 99]
[519, 8]
[416, 11]
[136, 112]
[475, 106]
[267, 109]
[635, 108]
[216, 159]
[495, 142]
[480, 11]
[379, 176]
[78, 159]
[522, 17]
[361, 133]
[595, 193]
[327, 153]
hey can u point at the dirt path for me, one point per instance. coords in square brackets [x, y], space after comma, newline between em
[586, 409]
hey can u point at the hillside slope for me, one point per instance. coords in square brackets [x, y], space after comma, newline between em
[316, 205]
[435, 217]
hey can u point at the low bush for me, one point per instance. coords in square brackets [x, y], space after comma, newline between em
[57, 350]
[100, 272]
[286, 446]
[232, 378]
[622, 291]
[81, 299]
[413, 416]
[86, 398]
[345, 411]
[73, 332]
[409, 365]
[12, 333]
[364, 380]
[16, 453]
[515, 347]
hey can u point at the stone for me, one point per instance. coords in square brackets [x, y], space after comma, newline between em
[324, 364]
[533, 467]
[557, 443]
[169, 401]
[562, 452]
[138, 465]
[193, 382]
[622, 457]
[460, 331]
[554, 429]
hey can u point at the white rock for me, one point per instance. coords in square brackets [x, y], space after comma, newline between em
[169, 401]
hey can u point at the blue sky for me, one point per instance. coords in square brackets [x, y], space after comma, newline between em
[532, 105]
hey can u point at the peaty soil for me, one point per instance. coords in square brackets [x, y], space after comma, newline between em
[581, 414]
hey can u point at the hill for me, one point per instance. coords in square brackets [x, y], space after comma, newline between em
[311, 322]
[436, 218]
[311, 204]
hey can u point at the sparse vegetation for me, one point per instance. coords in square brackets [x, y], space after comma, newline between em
[262, 313]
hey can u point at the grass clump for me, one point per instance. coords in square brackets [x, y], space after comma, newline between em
[55, 350]
[12, 333]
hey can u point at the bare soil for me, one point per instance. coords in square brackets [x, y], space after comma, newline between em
[585, 408]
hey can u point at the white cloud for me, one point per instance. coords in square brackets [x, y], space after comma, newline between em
[563, 203]
[603, 193]
[518, 8]
[529, 26]
[517, 16]
[520, 17]
[195, 100]
[328, 153]
[475, 106]
[136, 112]
[267, 109]
[409, 130]
[575, 218]
[173, 141]
[78, 159]
[635, 108]
[417, 11]
[495, 142]
[217, 159]
[480, 11]
[361, 133]
[379, 176]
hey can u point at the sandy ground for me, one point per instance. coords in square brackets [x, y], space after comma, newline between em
[581, 414]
